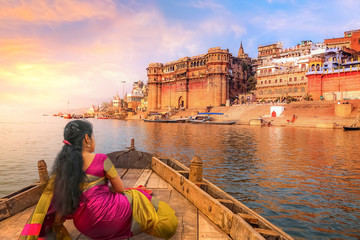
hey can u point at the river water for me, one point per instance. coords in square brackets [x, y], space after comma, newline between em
[304, 180]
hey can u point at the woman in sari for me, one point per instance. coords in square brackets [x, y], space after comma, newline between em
[79, 189]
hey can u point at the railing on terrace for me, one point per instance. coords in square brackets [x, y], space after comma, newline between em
[281, 72]
[333, 70]
[297, 82]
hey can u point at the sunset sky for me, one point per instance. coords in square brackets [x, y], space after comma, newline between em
[69, 51]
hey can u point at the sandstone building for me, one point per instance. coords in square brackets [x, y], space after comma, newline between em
[336, 76]
[281, 73]
[210, 79]
[350, 40]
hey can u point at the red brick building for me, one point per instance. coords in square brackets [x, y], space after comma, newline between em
[350, 40]
[209, 79]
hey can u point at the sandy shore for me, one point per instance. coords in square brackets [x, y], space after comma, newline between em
[319, 114]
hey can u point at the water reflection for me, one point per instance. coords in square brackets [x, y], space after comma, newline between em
[304, 180]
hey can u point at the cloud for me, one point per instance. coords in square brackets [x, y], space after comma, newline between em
[207, 4]
[42, 11]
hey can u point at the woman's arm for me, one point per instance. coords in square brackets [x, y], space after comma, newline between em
[117, 184]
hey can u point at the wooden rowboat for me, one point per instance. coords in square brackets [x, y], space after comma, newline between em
[204, 211]
[350, 128]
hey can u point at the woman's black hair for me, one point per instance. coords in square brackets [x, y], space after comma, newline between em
[68, 167]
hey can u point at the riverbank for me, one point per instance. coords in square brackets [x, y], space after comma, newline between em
[320, 114]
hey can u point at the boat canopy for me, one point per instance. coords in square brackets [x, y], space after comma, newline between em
[211, 113]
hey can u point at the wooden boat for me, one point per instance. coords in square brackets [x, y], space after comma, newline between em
[199, 119]
[219, 122]
[160, 120]
[181, 120]
[204, 118]
[350, 128]
[354, 126]
[204, 211]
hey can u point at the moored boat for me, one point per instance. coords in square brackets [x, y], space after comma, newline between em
[161, 120]
[170, 180]
[199, 119]
[205, 118]
[354, 126]
[220, 122]
[350, 128]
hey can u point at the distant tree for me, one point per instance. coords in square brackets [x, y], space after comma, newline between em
[105, 104]
[250, 84]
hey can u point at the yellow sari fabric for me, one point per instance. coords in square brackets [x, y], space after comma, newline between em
[33, 225]
[161, 223]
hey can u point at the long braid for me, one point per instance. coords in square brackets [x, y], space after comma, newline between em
[68, 167]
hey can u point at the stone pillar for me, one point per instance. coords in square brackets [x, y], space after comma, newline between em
[159, 92]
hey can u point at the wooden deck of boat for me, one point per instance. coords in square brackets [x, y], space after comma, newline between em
[192, 223]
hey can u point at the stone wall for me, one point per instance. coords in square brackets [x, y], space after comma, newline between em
[341, 84]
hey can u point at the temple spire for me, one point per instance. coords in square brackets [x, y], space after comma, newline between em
[241, 50]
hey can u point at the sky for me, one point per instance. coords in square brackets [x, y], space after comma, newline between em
[57, 55]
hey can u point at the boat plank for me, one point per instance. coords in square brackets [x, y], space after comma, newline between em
[153, 181]
[156, 182]
[144, 178]
[131, 176]
[187, 215]
[208, 230]
[11, 227]
[121, 171]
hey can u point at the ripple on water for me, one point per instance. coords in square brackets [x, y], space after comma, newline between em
[305, 181]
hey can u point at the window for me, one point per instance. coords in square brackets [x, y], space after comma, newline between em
[262, 82]
[302, 78]
[295, 90]
[280, 80]
[290, 79]
[275, 80]
[295, 78]
[302, 89]
[265, 82]
[269, 81]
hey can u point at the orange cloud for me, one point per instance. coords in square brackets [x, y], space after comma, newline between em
[42, 11]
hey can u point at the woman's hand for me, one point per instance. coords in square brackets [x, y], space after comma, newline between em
[59, 220]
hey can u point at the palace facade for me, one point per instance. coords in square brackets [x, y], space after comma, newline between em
[336, 76]
[211, 79]
[328, 70]
[281, 73]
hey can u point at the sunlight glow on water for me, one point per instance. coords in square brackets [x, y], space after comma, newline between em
[303, 180]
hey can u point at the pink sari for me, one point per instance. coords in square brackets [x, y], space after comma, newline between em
[103, 214]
